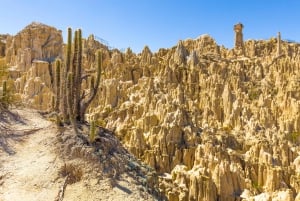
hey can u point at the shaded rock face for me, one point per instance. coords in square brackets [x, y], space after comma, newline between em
[3, 38]
[216, 124]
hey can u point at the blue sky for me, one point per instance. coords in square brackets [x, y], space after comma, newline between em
[157, 23]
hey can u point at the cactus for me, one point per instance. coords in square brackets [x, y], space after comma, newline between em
[70, 101]
[4, 88]
[78, 74]
[66, 69]
[58, 121]
[92, 131]
[53, 102]
[57, 86]
[69, 90]
[93, 87]
[4, 95]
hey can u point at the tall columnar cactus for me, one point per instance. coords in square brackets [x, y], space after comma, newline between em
[4, 95]
[4, 88]
[70, 101]
[92, 131]
[77, 72]
[57, 84]
[53, 102]
[65, 71]
[73, 102]
[93, 87]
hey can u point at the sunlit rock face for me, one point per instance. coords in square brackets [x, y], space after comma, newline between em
[35, 41]
[217, 124]
[29, 55]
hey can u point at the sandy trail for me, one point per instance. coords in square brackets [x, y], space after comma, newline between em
[28, 169]
[30, 166]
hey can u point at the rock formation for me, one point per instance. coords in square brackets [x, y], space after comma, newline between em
[3, 38]
[29, 55]
[238, 40]
[216, 124]
[36, 41]
[238, 28]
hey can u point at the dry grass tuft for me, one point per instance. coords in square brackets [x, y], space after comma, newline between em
[73, 172]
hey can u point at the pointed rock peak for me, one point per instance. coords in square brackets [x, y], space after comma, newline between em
[146, 56]
[128, 51]
[193, 58]
[37, 25]
[146, 50]
[34, 23]
[91, 37]
[180, 53]
[180, 43]
[36, 41]
[180, 46]
[116, 57]
[206, 39]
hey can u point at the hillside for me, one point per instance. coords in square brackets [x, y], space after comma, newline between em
[215, 123]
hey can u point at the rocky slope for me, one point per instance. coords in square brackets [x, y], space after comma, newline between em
[37, 159]
[217, 124]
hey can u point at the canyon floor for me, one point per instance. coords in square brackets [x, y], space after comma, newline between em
[31, 169]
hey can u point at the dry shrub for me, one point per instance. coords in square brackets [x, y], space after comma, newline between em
[73, 172]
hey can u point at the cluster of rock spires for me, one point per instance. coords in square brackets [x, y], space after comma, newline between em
[215, 123]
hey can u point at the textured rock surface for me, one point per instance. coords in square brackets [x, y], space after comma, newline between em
[215, 123]
[30, 55]
[36, 41]
[3, 38]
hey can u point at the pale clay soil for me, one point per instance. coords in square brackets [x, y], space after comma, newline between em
[29, 167]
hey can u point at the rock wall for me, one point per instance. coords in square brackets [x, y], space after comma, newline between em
[35, 41]
[30, 55]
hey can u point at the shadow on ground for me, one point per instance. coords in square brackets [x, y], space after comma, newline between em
[9, 136]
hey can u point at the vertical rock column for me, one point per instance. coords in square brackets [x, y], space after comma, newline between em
[238, 41]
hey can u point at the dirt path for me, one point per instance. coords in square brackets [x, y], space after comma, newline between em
[30, 166]
[28, 169]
